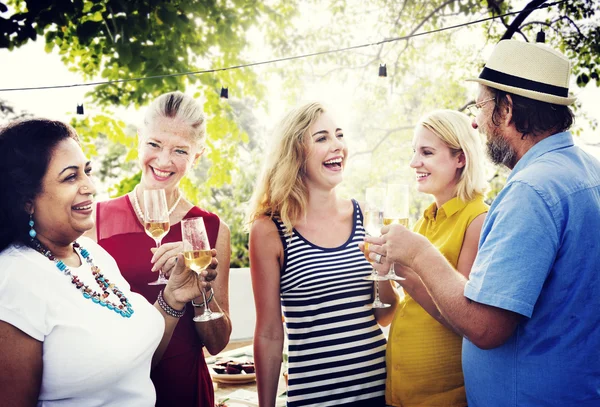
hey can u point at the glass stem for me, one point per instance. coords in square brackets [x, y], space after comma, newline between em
[201, 292]
[206, 310]
[160, 272]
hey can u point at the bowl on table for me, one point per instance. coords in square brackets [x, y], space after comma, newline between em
[233, 372]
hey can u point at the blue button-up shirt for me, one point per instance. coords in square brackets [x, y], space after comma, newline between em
[539, 256]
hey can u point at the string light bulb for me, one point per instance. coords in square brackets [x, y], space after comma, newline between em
[382, 71]
[224, 93]
[80, 108]
[540, 37]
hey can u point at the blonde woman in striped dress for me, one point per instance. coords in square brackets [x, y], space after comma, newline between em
[305, 260]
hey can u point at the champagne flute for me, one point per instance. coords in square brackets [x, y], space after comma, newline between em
[197, 255]
[156, 221]
[373, 222]
[395, 211]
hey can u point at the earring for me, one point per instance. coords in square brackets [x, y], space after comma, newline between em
[32, 232]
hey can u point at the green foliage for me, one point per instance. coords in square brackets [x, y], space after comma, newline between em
[126, 185]
[8, 112]
[118, 40]
[386, 110]
[111, 147]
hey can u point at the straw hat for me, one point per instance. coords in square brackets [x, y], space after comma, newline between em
[532, 70]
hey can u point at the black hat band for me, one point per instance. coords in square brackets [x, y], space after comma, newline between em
[514, 81]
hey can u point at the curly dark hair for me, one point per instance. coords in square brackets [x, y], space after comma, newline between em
[26, 148]
[532, 117]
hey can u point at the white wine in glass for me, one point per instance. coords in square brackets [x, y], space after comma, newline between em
[156, 221]
[395, 221]
[156, 230]
[197, 260]
[197, 255]
[395, 212]
[373, 222]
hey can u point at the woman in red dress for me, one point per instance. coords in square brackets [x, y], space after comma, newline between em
[171, 140]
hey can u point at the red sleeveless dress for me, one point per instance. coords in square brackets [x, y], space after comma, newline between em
[181, 378]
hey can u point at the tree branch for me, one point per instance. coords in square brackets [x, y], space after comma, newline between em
[494, 6]
[381, 140]
[514, 26]
[581, 35]
[401, 12]
[548, 25]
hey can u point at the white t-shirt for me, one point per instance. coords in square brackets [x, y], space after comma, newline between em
[92, 356]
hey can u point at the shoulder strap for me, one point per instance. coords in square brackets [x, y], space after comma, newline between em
[358, 215]
[284, 236]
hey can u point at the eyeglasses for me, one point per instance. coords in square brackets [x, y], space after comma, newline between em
[474, 108]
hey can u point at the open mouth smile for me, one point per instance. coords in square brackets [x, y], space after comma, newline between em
[161, 174]
[334, 163]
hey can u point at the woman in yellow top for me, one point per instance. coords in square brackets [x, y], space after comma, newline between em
[423, 352]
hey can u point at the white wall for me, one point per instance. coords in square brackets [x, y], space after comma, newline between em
[241, 304]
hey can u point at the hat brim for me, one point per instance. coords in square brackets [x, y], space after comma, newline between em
[531, 94]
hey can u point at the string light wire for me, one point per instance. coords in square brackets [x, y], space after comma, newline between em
[273, 61]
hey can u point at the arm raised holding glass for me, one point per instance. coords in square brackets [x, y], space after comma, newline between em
[485, 326]
[182, 286]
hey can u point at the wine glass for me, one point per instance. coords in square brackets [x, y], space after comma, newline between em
[197, 255]
[395, 211]
[373, 222]
[156, 221]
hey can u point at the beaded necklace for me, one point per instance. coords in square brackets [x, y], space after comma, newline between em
[138, 209]
[124, 308]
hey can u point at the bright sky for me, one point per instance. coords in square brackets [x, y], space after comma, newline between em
[31, 66]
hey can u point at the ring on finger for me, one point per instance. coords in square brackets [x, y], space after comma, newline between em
[378, 258]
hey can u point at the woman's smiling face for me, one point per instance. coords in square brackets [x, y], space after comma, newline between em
[167, 151]
[437, 168]
[62, 211]
[327, 154]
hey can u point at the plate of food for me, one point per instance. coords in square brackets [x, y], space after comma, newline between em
[233, 372]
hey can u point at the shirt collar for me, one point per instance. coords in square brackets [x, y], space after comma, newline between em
[449, 208]
[554, 142]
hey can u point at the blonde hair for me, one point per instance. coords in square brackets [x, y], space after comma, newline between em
[281, 189]
[180, 107]
[455, 130]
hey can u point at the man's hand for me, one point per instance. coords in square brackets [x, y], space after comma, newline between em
[396, 244]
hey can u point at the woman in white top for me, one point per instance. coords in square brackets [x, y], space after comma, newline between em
[71, 331]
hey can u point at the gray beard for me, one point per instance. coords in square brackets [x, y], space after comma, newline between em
[500, 152]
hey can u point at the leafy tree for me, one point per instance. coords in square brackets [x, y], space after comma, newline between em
[122, 40]
[424, 72]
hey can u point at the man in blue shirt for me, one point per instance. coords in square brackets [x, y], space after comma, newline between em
[530, 310]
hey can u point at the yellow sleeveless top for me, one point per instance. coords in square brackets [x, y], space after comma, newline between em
[424, 357]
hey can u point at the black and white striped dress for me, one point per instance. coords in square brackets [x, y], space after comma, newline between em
[336, 349]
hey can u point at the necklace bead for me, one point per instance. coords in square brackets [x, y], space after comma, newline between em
[138, 209]
[122, 308]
